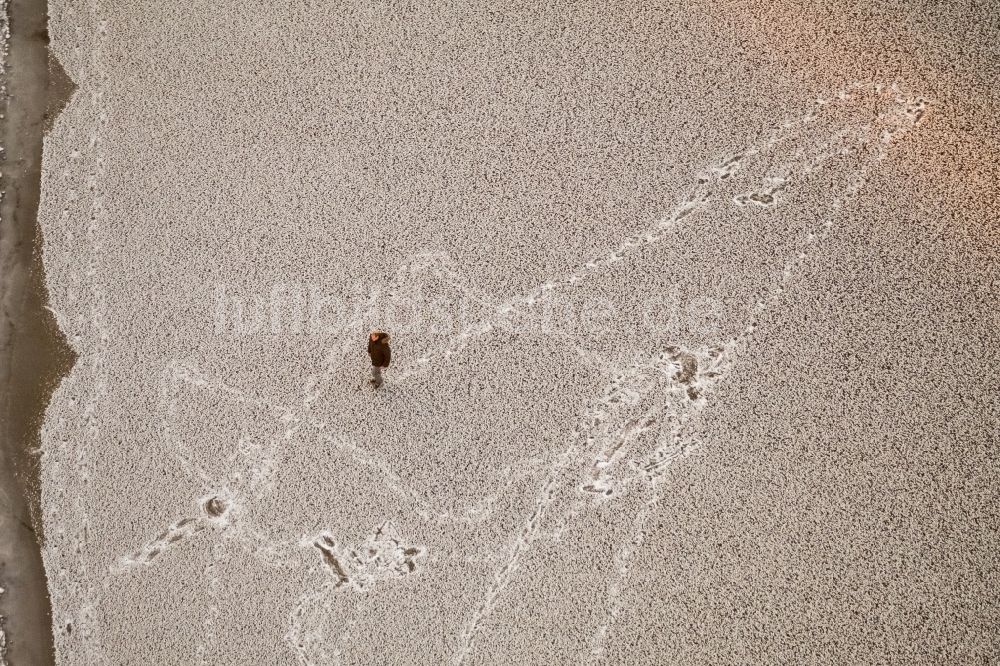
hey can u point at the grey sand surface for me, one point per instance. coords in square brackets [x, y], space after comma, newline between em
[767, 432]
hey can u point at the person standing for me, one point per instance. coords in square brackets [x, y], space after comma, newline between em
[378, 350]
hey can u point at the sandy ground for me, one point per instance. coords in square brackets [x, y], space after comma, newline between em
[694, 315]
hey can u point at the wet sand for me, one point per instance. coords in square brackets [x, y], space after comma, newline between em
[35, 356]
[694, 331]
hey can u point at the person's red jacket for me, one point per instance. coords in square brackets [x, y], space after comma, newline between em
[379, 350]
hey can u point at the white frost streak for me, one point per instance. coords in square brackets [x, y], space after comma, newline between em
[611, 451]
[605, 445]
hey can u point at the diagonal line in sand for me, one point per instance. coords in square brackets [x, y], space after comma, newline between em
[892, 124]
[896, 123]
[700, 198]
[442, 264]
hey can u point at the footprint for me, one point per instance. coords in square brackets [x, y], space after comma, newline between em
[758, 198]
[590, 488]
[326, 548]
[215, 507]
[916, 109]
[688, 366]
[180, 530]
[380, 557]
[727, 168]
